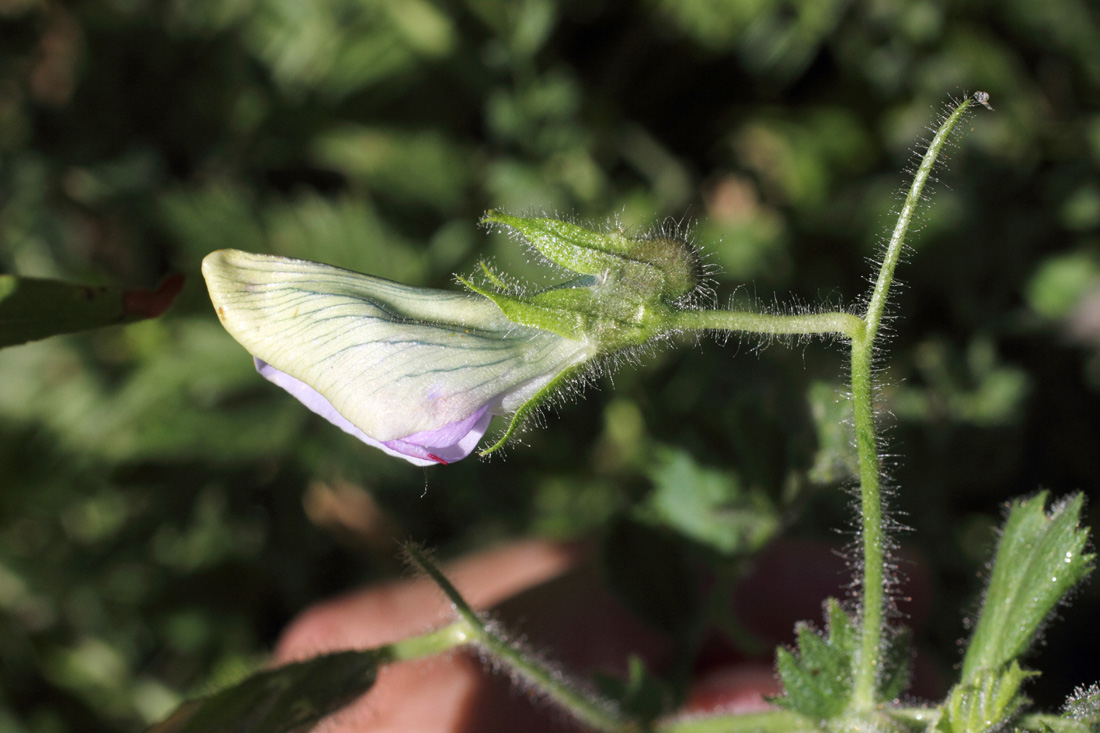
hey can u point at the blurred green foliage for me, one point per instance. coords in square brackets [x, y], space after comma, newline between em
[164, 512]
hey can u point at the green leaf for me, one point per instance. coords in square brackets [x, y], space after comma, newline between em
[707, 506]
[818, 680]
[1039, 559]
[283, 700]
[1080, 714]
[32, 309]
[984, 701]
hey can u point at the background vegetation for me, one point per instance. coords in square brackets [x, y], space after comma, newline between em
[164, 512]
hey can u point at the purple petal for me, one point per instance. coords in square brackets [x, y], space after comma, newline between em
[446, 444]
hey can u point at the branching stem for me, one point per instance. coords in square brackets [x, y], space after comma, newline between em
[596, 713]
[872, 532]
[862, 332]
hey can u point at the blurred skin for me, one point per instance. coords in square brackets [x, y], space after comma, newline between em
[550, 596]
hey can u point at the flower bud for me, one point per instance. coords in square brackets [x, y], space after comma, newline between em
[627, 292]
[418, 373]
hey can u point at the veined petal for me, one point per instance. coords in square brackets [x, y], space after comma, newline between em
[413, 370]
[446, 445]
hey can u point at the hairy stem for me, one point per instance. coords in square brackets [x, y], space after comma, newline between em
[595, 713]
[809, 324]
[872, 532]
[877, 304]
[871, 529]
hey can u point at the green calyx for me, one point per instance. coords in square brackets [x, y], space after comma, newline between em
[626, 293]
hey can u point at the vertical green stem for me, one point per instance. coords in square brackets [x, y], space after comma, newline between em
[871, 530]
[873, 537]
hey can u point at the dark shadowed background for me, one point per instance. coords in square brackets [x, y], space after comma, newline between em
[164, 511]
